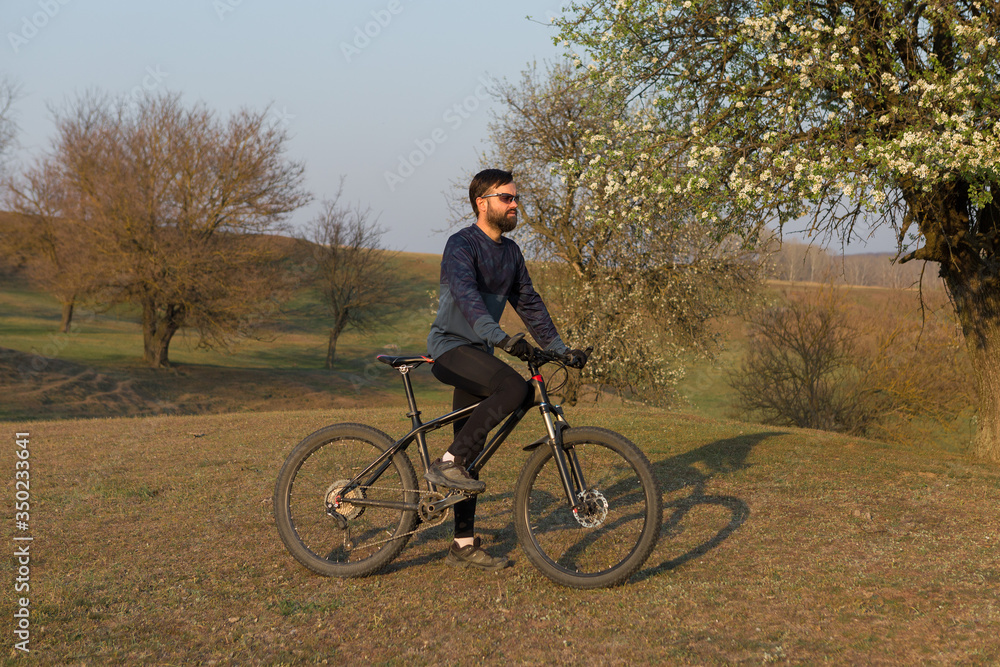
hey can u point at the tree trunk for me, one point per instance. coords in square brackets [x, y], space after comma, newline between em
[157, 332]
[331, 348]
[571, 392]
[67, 316]
[977, 302]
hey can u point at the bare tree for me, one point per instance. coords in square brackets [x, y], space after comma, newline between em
[46, 240]
[798, 367]
[792, 258]
[544, 119]
[173, 202]
[8, 128]
[9, 231]
[855, 269]
[821, 361]
[353, 271]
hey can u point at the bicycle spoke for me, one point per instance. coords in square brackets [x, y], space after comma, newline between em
[560, 535]
[314, 483]
[616, 523]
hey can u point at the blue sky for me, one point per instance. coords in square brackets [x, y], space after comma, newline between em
[388, 93]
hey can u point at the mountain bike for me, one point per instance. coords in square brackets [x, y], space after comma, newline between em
[587, 508]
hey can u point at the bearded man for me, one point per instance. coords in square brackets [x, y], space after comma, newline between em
[482, 271]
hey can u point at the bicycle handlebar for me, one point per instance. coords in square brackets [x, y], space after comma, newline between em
[539, 357]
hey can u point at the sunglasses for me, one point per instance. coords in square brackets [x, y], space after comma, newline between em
[504, 197]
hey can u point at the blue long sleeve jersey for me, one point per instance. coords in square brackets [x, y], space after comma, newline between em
[478, 277]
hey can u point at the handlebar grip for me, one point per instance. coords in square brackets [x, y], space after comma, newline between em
[511, 340]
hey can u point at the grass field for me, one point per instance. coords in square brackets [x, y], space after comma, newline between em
[154, 541]
[155, 544]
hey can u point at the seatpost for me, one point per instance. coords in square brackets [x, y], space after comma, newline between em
[413, 414]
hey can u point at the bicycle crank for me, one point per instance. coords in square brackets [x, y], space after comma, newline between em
[432, 509]
[435, 510]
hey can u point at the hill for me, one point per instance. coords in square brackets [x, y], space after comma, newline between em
[778, 545]
[96, 369]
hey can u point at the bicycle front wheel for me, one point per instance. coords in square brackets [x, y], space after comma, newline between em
[614, 528]
[363, 538]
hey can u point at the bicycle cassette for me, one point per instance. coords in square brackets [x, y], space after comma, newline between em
[336, 502]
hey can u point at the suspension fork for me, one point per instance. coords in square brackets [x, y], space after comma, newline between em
[567, 462]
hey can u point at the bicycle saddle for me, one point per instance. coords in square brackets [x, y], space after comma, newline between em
[396, 362]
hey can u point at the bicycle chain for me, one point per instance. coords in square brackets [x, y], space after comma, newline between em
[424, 525]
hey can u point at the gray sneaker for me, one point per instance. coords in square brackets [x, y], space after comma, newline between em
[474, 556]
[451, 475]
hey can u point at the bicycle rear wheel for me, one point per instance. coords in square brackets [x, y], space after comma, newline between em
[608, 539]
[304, 502]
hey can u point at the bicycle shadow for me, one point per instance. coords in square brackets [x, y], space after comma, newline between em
[694, 469]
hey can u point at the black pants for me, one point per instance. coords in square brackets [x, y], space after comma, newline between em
[477, 376]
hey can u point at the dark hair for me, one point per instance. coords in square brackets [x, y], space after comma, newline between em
[483, 181]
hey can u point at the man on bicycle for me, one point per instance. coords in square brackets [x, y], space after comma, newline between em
[482, 271]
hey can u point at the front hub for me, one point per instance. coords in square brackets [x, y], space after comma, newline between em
[592, 509]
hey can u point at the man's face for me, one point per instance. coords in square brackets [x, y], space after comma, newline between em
[498, 214]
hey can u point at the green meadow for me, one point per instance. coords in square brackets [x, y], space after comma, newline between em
[154, 541]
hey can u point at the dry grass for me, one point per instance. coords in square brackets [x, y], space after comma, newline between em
[154, 544]
[921, 353]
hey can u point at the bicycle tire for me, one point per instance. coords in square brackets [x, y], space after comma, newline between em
[308, 478]
[552, 537]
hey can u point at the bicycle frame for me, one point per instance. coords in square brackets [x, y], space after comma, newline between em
[566, 462]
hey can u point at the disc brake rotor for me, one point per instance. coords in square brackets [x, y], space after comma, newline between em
[592, 510]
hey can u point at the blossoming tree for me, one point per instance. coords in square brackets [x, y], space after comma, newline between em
[853, 113]
[634, 273]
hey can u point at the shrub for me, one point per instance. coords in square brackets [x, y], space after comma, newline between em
[819, 361]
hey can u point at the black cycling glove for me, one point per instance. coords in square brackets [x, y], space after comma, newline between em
[517, 347]
[577, 358]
